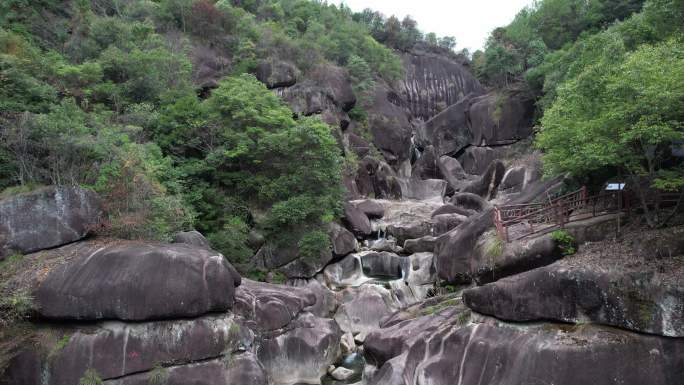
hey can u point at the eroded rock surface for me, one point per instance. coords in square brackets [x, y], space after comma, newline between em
[47, 217]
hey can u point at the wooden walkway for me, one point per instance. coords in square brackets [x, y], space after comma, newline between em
[515, 222]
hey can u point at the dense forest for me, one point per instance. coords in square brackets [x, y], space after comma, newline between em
[608, 77]
[107, 94]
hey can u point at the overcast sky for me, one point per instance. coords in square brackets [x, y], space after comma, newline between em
[469, 21]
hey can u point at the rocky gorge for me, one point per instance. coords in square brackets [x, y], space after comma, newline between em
[410, 293]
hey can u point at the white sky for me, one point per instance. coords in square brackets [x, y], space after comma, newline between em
[469, 21]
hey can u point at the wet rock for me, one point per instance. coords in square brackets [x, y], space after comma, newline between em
[444, 223]
[357, 221]
[427, 189]
[275, 73]
[487, 185]
[453, 209]
[371, 208]
[514, 179]
[47, 217]
[423, 244]
[410, 230]
[325, 304]
[422, 270]
[114, 349]
[237, 369]
[193, 238]
[268, 307]
[361, 308]
[497, 353]
[343, 241]
[303, 353]
[347, 272]
[467, 204]
[383, 264]
[574, 294]
[137, 281]
[342, 374]
[453, 173]
[427, 166]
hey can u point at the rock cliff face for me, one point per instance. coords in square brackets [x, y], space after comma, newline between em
[383, 305]
[433, 82]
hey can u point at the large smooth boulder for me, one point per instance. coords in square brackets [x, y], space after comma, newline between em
[487, 185]
[372, 208]
[47, 217]
[500, 118]
[475, 159]
[494, 259]
[356, 220]
[137, 281]
[427, 165]
[634, 300]
[303, 353]
[448, 131]
[384, 264]
[342, 240]
[267, 307]
[495, 353]
[424, 189]
[193, 237]
[444, 223]
[276, 73]
[454, 250]
[361, 308]
[390, 124]
[419, 245]
[514, 179]
[115, 349]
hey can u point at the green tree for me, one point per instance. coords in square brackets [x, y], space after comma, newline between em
[625, 114]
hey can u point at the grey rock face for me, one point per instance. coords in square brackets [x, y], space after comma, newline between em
[115, 349]
[496, 353]
[500, 118]
[574, 294]
[444, 223]
[489, 264]
[137, 281]
[514, 179]
[371, 208]
[390, 125]
[448, 131]
[487, 185]
[475, 160]
[357, 221]
[268, 307]
[276, 73]
[343, 241]
[426, 243]
[238, 369]
[434, 82]
[48, 217]
[454, 250]
[303, 353]
[384, 264]
[194, 238]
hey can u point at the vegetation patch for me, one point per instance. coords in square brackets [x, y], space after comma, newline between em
[90, 377]
[565, 241]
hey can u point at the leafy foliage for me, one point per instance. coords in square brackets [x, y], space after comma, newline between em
[565, 241]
